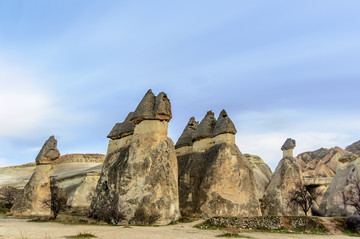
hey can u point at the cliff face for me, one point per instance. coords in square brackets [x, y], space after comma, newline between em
[354, 148]
[321, 163]
[138, 181]
[262, 173]
[343, 185]
[215, 179]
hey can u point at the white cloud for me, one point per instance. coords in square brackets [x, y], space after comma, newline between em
[4, 162]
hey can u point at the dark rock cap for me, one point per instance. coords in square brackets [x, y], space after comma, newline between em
[48, 152]
[289, 144]
[224, 125]
[123, 129]
[153, 108]
[205, 128]
[186, 137]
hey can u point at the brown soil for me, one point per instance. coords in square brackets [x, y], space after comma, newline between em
[21, 228]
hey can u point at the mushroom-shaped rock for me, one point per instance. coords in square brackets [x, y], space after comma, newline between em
[186, 137]
[48, 152]
[289, 144]
[162, 110]
[145, 108]
[205, 128]
[223, 125]
[123, 129]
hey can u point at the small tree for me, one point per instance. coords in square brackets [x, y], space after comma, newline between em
[8, 195]
[301, 197]
[57, 200]
[351, 196]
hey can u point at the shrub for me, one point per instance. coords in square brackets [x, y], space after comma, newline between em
[353, 223]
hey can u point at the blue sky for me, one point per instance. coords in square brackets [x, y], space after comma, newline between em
[280, 68]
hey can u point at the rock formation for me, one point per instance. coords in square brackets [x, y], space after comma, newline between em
[342, 186]
[138, 181]
[321, 163]
[215, 179]
[262, 173]
[277, 196]
[354, 148]
[37, 190]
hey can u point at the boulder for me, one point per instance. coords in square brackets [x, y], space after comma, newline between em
[262, 173]
[215, 179]
[138, 182]
[37, 190]
[278, 194]
[342, 186]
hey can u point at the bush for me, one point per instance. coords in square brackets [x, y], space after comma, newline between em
[353, 224]
[144, 217]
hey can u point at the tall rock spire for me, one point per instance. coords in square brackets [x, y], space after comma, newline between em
[186, 136]
[205, 128]
[223, 125]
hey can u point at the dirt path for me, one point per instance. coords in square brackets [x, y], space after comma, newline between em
[20, 228]
[330, 225]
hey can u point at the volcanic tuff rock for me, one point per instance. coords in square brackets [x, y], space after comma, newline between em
[123, 129]
[215, 179]
[343, 182]
[38, 188]
[277, 196]
[262, 173]
[205, 128]
[354, 148]
[138, 181]
[321, 163]
[48, 152]
[153, 107]
[186, 136]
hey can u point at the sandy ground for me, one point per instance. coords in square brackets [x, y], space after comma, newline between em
[20, 228]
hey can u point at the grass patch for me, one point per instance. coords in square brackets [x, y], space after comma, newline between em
[352, 234]
[187, 219]
[83, 235]
[4, 211]
[205, 226]
[232, 235]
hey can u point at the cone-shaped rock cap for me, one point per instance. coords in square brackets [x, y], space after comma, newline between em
[205, 128]
[48, 152]
[123, 129]
[152, 108]
[224, 125]
[186, 136]
[289, 144]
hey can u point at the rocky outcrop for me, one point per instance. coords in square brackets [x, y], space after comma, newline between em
[321, 163]
[37, 190]
[48, 152]
[354, 148]
[138, 181]
[288, 174]
[262, 173]
[342, 186]
[186, 137]
[80, 158]
[215, 179]
[123, 129]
